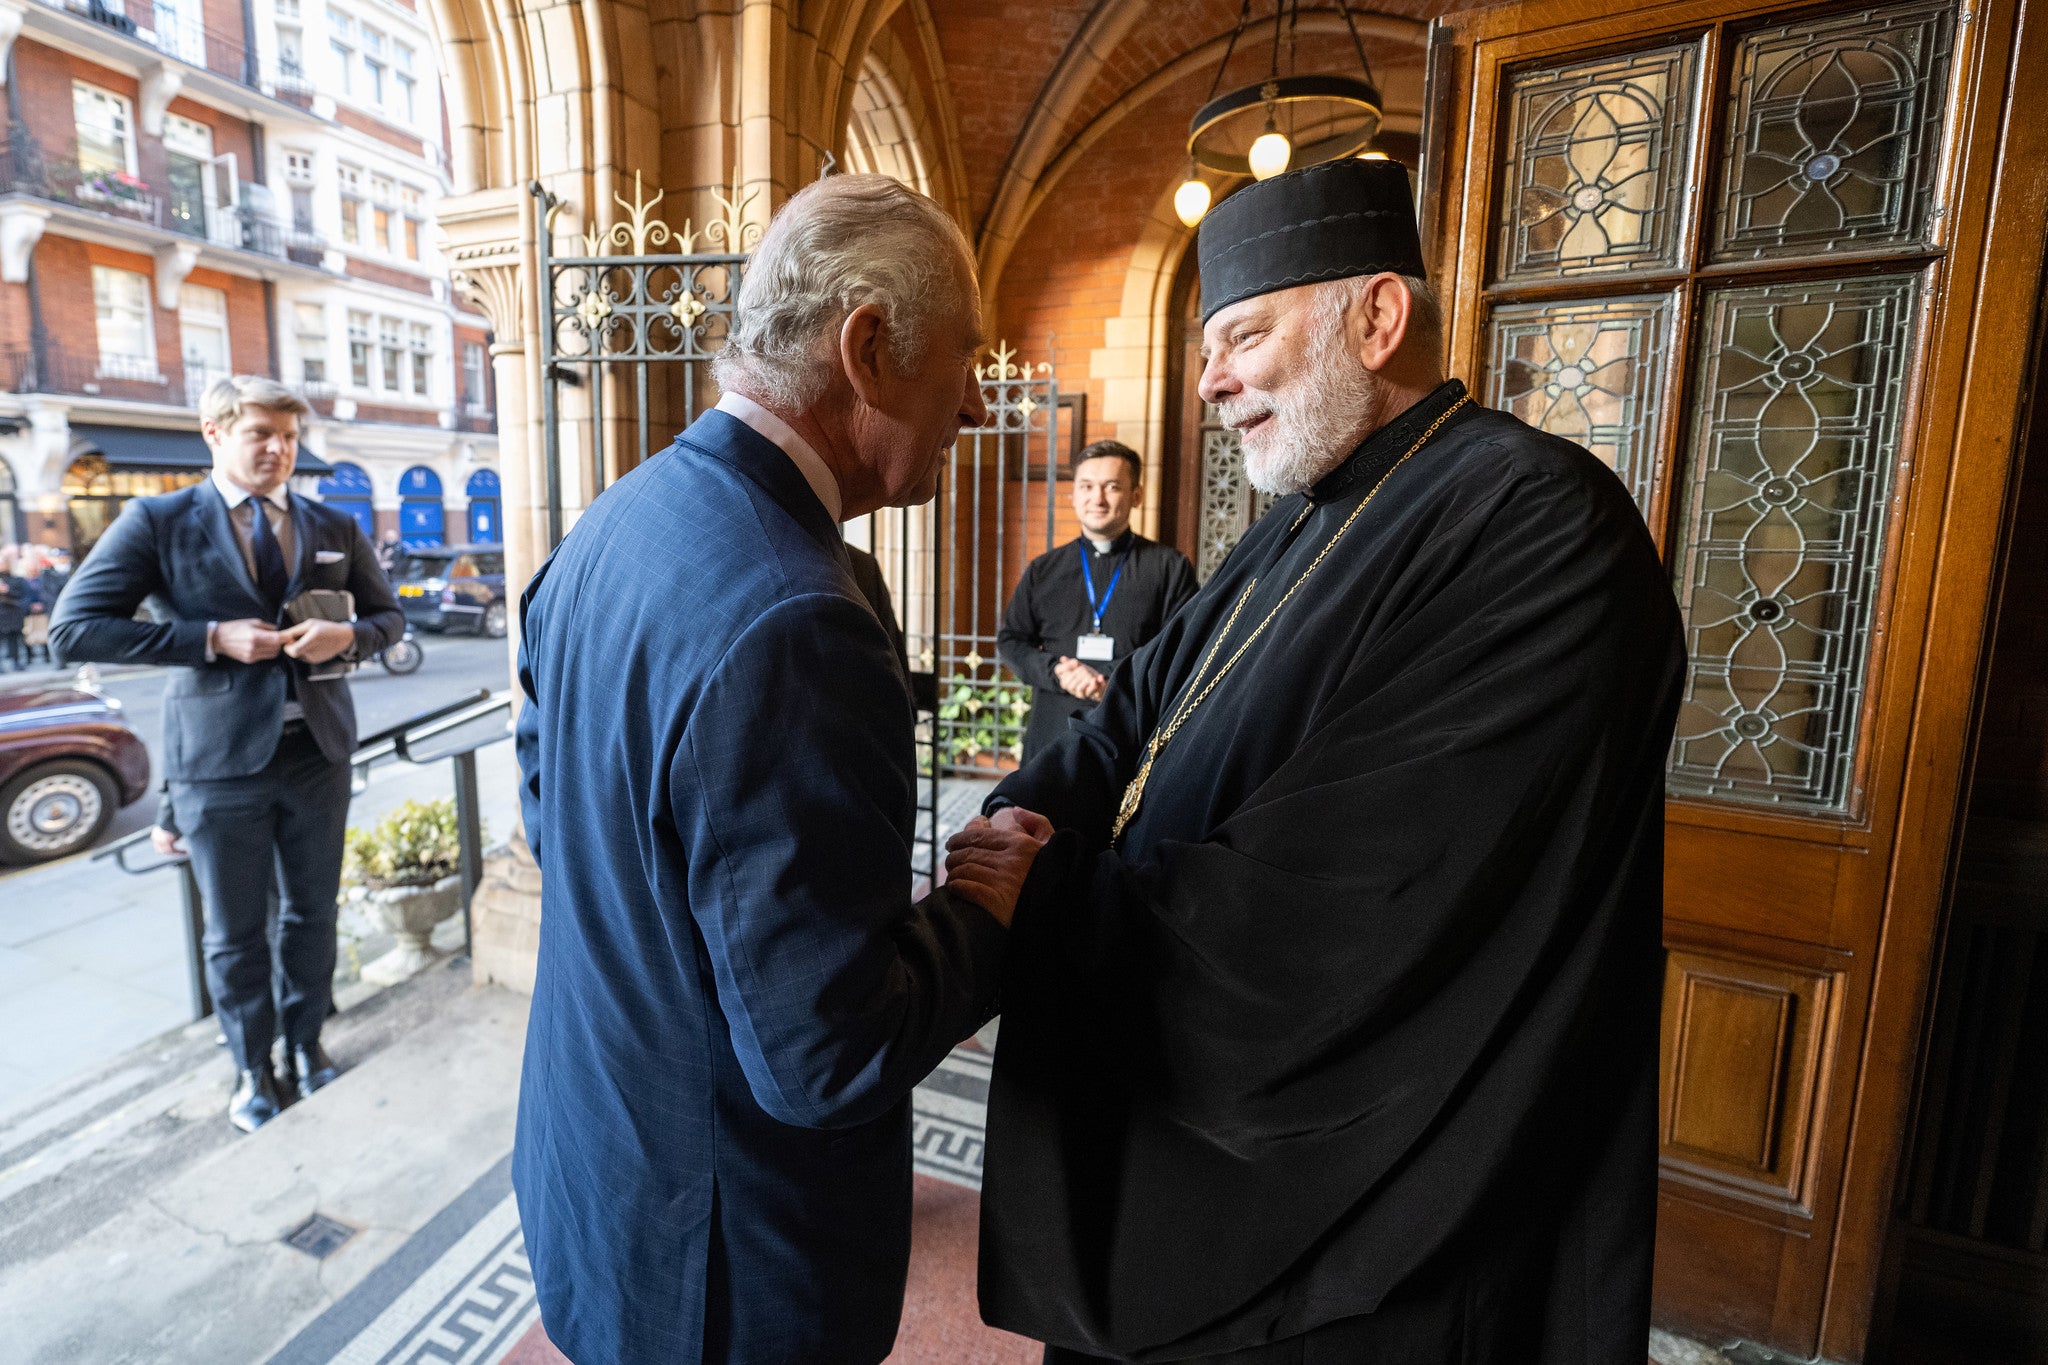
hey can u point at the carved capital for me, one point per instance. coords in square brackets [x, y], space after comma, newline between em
[486, 244]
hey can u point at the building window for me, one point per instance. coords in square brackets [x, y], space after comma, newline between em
[310, 324]
[348, 490]
[203, 339]
[408, 87]
[341, 41]
[302, 211]
[383, 195]
[291, 52]
[411, 201]
[422, 357]
[298, 167]
[351, 179]
[473, 378]
[127, 332]
[392, 344]
[373, 66]
[359, 349]
[106, 131]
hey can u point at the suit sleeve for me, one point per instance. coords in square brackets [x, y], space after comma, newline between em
[380, 623]
[794, 793]
[95, 618]
[1020, 642]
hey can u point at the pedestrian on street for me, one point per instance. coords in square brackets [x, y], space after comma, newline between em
[14, 605]
[256, 747]
[1084, 608]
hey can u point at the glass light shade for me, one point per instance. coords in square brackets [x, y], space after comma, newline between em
[1270, 154]
[1191, 200]
[1372, 156]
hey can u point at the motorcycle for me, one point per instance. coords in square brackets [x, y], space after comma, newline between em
[404, 657]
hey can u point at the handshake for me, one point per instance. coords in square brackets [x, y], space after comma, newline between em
[988, 861]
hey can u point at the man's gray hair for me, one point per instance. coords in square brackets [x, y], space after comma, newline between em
[1425, 309]
[224, 399]
[837, 245]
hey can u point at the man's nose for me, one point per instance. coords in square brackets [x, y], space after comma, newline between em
[1217, 382]
[974, 410]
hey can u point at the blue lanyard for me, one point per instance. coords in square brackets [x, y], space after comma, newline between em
[1096, 608]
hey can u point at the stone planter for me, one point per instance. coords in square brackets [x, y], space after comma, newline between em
[410, 914]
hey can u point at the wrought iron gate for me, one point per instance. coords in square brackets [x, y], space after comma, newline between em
[634, 317]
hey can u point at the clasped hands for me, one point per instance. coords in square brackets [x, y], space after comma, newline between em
[251, 641]
[988, 860]
[1079, 680]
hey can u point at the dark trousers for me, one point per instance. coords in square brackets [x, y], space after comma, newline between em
[282, 828]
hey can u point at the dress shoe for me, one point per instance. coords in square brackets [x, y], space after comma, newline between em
[313, 1067]
[255, 1101]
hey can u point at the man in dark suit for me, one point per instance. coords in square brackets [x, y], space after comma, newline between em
[736, 994]
[1084, 608]
[255, 749]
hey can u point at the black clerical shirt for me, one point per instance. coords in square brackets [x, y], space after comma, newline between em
[1049, 612]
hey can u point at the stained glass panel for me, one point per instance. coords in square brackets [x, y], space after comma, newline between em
[1795, 446]
[1836, 130]
[1590, 372]
[1595, 164]
[1229, 502]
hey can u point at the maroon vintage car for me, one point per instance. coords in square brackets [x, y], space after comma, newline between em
[68, 761]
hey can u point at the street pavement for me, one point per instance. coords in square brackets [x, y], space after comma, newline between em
[93, 960]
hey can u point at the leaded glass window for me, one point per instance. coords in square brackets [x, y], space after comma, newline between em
[1229, 502]
[1590, 372]
[1775, 500]
[1597, 179]
[1795, 447]
[1837, 129]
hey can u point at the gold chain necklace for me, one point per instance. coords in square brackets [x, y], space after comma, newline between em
[1135, 792]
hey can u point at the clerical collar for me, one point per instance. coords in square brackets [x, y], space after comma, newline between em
[1378, 452]
[1105, 547]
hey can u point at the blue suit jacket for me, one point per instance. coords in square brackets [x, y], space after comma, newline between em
[735, 994]
[178, 552]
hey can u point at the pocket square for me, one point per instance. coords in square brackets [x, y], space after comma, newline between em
[328, 556]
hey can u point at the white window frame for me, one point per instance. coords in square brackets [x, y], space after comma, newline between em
[361, 347]
[106, 281]
[206, 306]
[124, 111]
[421, 335]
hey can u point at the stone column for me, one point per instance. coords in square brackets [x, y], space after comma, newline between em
[489, 247]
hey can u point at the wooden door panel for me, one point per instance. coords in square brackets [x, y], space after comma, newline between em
[1635, 241]
[1783, 887]
[1745, 1049]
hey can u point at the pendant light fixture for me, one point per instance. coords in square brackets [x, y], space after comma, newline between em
[1292, 120]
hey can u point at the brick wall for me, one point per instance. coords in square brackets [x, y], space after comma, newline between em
[391, 275]
[248, 322]
[377, 128]
[998, 54]
[45, 77]
[410, 417]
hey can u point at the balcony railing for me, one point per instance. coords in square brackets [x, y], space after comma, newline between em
[137, 379]
[24, 169]
[179, 35]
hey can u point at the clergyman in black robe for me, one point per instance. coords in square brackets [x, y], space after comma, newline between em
[1344, 1049]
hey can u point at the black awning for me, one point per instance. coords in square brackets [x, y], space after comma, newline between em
[156, 448]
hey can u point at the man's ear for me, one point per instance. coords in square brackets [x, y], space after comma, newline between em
[1383, 310]
[863, 352]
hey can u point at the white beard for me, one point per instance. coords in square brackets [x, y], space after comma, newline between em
[1316, 420]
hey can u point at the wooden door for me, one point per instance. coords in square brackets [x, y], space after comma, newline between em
[1775, 265]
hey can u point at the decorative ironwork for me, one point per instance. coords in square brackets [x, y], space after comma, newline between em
[1797, 442]
[996, 512]
[1229, 503]
[1596, 161]
[1836, 133]
[1590, 372]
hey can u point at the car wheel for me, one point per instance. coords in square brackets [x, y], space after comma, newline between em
[494, 620]
[54, 809]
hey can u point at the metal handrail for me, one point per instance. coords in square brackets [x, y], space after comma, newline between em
[394, 743]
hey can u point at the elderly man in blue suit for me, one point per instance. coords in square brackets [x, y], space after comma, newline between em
[735, 993]
[256, 744]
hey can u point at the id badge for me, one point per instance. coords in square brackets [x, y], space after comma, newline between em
[1095, 648]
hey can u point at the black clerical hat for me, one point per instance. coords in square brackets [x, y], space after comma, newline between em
[1324, 222]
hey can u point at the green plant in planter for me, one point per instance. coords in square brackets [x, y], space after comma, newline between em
[416, 845]
[982, 717]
